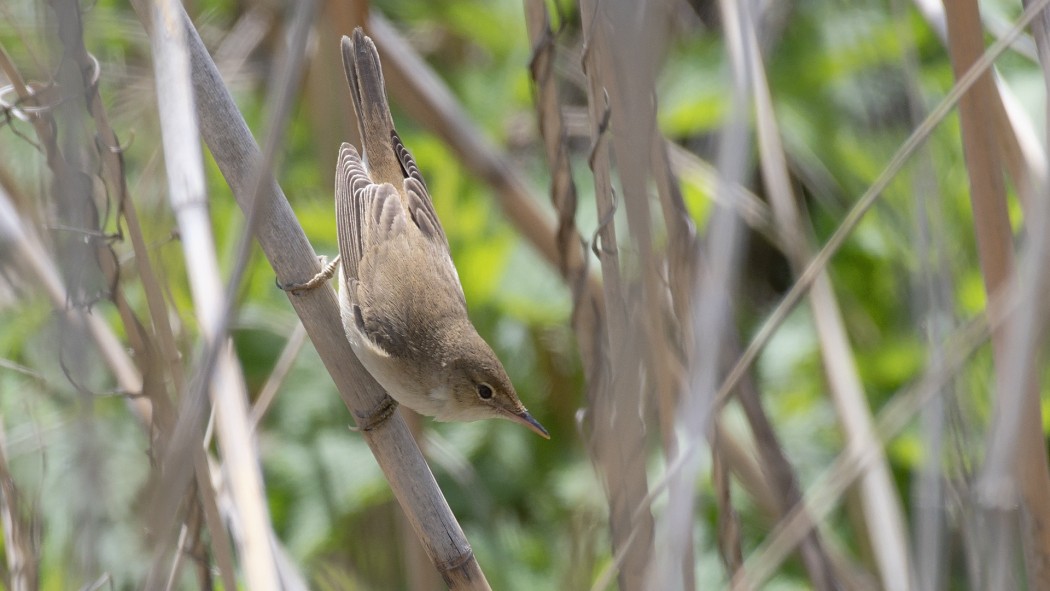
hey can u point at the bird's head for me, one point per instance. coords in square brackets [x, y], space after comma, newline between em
[477, 386]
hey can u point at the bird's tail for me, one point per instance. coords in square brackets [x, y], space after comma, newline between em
[364, 74]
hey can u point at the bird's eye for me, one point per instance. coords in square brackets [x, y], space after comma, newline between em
[484, 391]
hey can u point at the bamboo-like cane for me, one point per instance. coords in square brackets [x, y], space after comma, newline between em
[285, 245]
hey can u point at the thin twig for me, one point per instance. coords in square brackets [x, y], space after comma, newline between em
[284, 364]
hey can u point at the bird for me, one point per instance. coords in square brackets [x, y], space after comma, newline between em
[400, 298]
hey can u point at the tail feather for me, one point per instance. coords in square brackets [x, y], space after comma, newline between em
[364, 74]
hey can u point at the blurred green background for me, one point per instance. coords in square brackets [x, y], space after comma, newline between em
[847, 80]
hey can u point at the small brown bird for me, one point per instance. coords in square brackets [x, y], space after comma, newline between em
[400, 297]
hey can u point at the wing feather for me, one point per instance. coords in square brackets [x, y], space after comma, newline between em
[371, 223]
[421, 209]
[351, 181]
[417, 198]
[408, 164]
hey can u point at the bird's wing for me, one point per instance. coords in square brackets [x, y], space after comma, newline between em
[417, 198]
[421, 210]
[386, 271]
[353, 193]
[404, 158]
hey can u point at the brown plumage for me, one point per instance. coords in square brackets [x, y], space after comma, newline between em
[402, 304]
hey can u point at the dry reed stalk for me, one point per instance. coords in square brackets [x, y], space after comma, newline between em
[111, 157]
[1015, 468]
[884, 517]
[681, 234]
[592, 320]
[1023, 155]
[288, 251]
[894, 416]
[184, 163]
[678, 260]
[21, 527]
[616, 441]
[936, 311]
[1014, 478]
[824, 494]
[729, 534]
[820, 260]
[152, 408]
[588, 303]
[867, 200]
[710, 310]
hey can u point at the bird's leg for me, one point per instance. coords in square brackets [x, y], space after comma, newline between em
[326, 273]
[377, 416]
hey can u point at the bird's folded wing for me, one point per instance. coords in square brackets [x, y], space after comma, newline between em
[351, 180]
[408, 164]
[369, 217]
[371, 224]
[417, 197]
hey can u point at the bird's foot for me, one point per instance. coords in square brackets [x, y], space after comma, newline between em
[327, 270]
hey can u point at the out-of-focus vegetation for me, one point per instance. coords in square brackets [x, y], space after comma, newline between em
[849, 83]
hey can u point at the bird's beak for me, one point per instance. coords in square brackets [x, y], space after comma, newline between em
[526, 419]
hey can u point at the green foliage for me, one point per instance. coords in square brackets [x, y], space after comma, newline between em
[534, 510]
